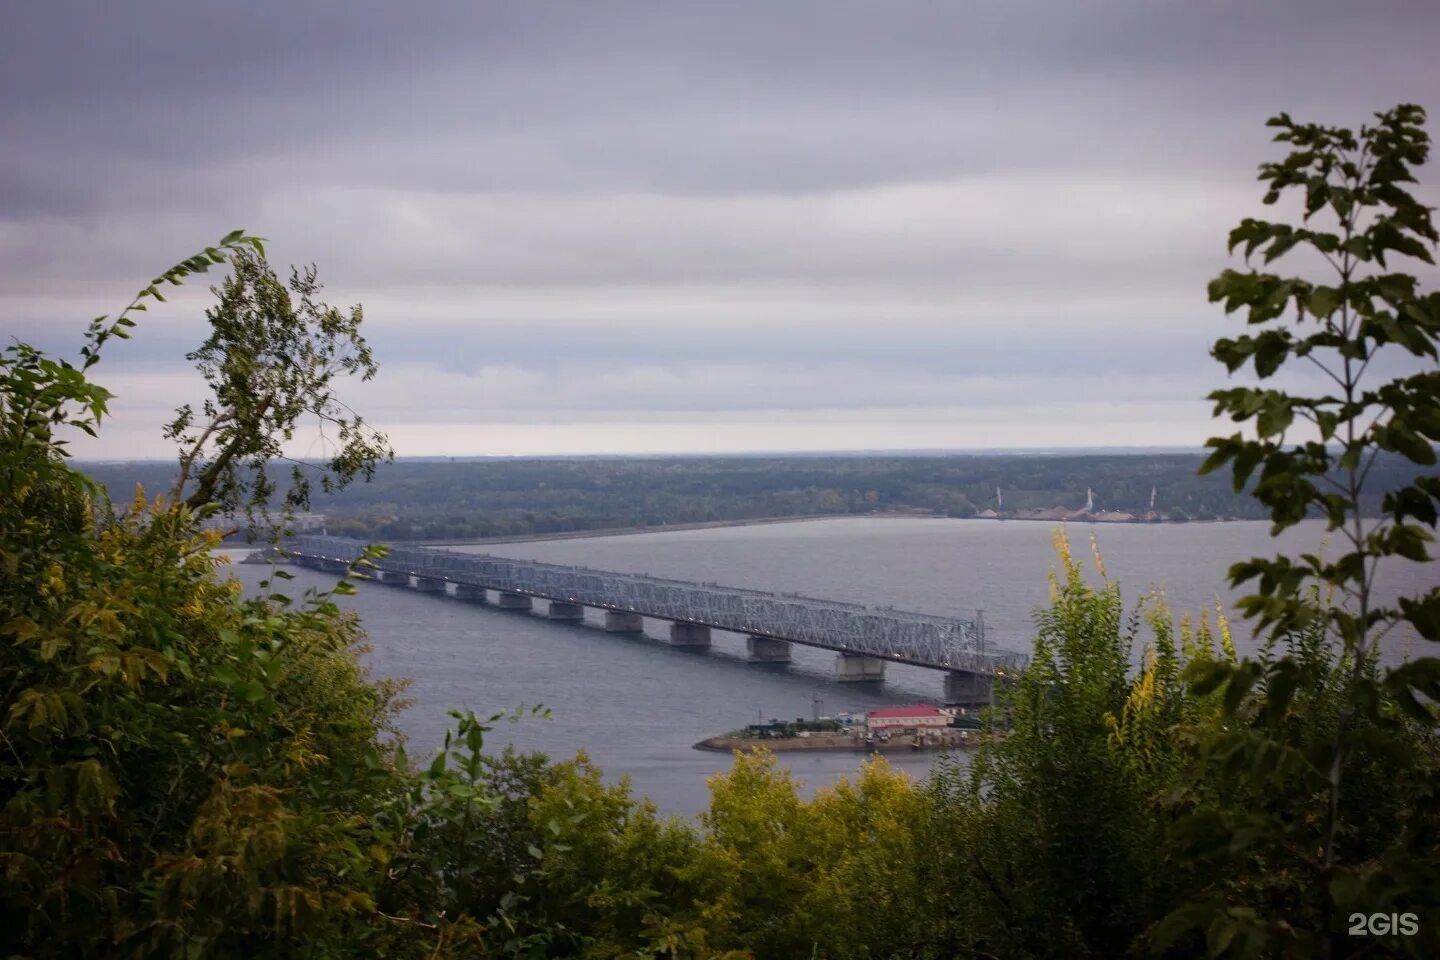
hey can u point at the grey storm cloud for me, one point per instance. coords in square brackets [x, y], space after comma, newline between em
[653, 215]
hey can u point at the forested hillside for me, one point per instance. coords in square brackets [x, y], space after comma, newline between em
[446, 500]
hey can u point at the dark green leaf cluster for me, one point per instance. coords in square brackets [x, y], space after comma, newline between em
[184, 771]
[1354, 184]
[1308, 744]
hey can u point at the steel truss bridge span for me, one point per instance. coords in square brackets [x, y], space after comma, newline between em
[924, 640]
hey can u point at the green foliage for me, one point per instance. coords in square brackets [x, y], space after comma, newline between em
[185, 770]
[43, 398]
[271, 359]
[841, 875]
[1315, 729]
[1251, 807]
[1342, 330]
[1054, 840]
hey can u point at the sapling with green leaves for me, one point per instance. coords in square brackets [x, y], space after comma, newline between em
[1368, 332]
[272, 361]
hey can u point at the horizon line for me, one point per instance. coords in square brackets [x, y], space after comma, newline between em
[1097, 450]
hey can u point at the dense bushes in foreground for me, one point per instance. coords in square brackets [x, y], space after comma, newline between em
[188, 771]
[191, 772]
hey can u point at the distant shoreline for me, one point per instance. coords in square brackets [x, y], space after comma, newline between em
[762, 521]
[630, 531]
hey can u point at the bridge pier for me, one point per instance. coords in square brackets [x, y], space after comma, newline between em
[767, 650]
[429, 585]
[560, 610]
[469, 591]
[393, 577]
[334, 566]
[689, 635]
[513, 601]
[856, 667]
[623, 621]
[968, 689]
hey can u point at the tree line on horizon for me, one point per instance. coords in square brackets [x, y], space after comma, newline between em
[436, 500]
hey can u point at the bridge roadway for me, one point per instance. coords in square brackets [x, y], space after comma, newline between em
[864, 638]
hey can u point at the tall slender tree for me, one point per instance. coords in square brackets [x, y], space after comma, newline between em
[1370, 333]
[272, 361]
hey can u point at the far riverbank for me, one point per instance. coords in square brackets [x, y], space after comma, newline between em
[662, 528]
[1045, 516]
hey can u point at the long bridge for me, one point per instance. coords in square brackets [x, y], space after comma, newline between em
[864, 638]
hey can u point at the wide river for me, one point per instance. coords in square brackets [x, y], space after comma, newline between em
[636, 706]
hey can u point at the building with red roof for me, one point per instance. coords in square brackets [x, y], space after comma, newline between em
[911, 718]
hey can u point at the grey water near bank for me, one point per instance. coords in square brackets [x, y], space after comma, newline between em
[636, 705]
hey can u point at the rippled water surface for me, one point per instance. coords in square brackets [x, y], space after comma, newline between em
[637, 706]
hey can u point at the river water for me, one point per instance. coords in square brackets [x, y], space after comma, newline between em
[636, 706]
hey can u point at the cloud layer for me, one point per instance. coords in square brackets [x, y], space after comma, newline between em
[656, 226]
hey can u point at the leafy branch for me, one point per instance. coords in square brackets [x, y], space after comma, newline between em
[1361, 220]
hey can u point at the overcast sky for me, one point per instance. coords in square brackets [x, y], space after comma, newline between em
[647, 227]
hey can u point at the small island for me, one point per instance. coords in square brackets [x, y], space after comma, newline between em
[920, 726]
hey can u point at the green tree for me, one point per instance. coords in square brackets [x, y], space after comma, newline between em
[1053, 840]
[271, 361]
[183, 770]
[1358, 220]
[845, 875]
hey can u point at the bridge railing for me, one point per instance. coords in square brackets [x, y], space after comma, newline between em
[943, 642]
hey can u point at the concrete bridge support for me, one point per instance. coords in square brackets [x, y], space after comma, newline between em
[514, 601]
[429, 585]
[856, 667]
[393, 577]
[560, 610]
[689, 635]
[334, 566]
[468, 591]
[623, 621]
[767, 650]
[968, 689]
